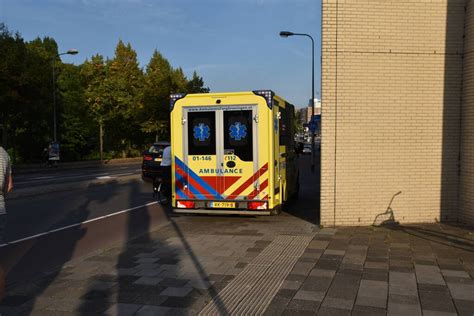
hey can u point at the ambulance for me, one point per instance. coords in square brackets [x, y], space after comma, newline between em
[233, 153]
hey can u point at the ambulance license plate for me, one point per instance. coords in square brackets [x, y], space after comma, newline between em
[222, 204]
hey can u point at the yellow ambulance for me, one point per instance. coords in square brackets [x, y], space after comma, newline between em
[233, 153]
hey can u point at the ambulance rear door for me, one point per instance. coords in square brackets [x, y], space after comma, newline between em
[220, 155]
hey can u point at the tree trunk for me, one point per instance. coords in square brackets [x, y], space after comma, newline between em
[101, 142]
[4, 136]
[124, 148]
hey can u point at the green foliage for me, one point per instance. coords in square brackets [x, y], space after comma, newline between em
[131, 105]
[96, 95]
[297, 125]
[161, 80]
[124, 85]
[76, 125]
[12, 68]
[26, 93]
[157, 88]
[196, 85]
[124, 82]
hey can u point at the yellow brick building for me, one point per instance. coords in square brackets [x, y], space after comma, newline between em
[398, 111]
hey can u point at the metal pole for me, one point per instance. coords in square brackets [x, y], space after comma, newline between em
[286, 34]
[54, 100]
[55, 138]
[312, 105]
[312, 95]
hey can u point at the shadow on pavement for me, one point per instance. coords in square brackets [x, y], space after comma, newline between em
[442, 234]
[387, 217]
[143, 268]
[103, 292]
[213, 292]
[33, 265]
[307, 205]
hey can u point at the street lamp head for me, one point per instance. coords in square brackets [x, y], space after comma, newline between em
[286, 33]
[72, 52]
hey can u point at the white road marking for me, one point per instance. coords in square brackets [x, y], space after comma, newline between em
[64, 177]
[123, 174]
[49, 177]
[77, 224]
[116, 175]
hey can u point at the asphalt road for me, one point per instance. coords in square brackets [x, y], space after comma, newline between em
[40, 213]
[47, 230]
[32, 215]
[58, 176]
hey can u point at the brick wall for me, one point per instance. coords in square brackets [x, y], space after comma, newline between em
[391, 93]
[466, 188]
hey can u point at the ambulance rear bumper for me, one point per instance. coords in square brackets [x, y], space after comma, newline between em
[252, 207]
[221, 211]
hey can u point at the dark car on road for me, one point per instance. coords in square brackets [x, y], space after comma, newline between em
[307, 149]
[151, 166]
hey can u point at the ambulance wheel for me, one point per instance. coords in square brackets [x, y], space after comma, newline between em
[276, 210]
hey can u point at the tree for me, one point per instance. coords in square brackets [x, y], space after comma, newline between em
[12, 67]
[113, 95]
[196, 85]
[97, 95]
[297, 125]
[158, 83]
[178, 81]
[124, 82]
[34, 127]
[76, 123]
[26, 89]
[161, 80]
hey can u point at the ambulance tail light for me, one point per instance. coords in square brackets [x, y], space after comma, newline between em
[257, 205]
[185, 204]
[147, 158]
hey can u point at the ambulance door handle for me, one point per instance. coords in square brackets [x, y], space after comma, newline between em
[222, 164]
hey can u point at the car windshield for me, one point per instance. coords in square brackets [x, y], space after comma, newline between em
[156, 149]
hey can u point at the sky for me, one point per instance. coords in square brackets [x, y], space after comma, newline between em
[233, 44]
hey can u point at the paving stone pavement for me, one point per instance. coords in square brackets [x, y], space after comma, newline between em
[195, 263]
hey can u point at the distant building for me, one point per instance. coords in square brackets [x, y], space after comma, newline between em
[317, 109]
[303, 116]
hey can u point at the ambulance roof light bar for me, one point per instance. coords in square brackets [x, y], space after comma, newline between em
[267, 94]
[175, 97]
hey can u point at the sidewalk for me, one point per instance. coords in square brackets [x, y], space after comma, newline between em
[268, 265]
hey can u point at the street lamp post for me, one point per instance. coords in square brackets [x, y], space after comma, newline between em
[69, 52]
[286, 34]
